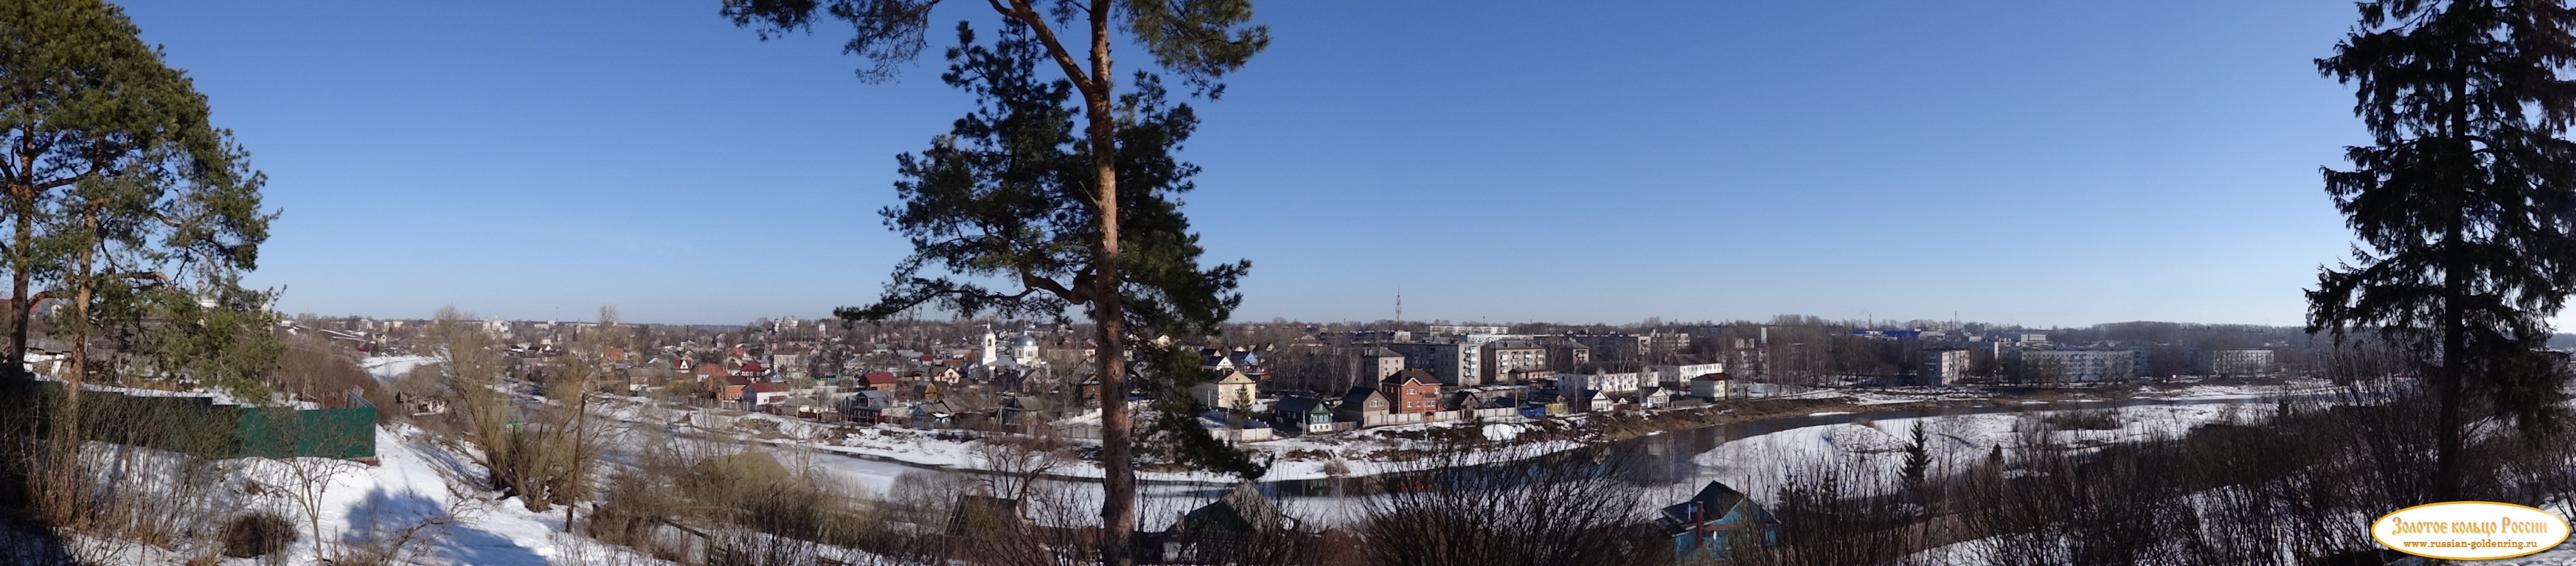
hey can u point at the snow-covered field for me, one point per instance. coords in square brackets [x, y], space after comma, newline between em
[1759, 465]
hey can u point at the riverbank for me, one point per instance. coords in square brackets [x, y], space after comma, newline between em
[1413, 448]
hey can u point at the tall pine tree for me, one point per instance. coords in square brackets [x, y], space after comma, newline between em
[2464, 202]
[1200, 41]
[123, 201]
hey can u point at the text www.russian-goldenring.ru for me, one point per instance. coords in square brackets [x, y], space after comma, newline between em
[2471, 544]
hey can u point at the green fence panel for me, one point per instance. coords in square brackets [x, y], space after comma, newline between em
[196, 425]
[348, 432]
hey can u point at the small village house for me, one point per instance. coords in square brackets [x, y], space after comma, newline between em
[1234, 391]
[1229, 530]
[1364, 407]
[1712, 386]
[732, 388]
[1304, 414]
[1654, 397]
[1716, 522]
[1024, 413]
[879, 380]
[761, 394]
[871, 406]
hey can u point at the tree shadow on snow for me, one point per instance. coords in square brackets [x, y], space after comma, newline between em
[421, 526]
[32, 545]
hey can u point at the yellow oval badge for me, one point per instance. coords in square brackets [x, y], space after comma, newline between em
[2469, 530]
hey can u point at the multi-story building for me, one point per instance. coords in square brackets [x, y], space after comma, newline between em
[1512, 361]
[1565, 354]
[1660, 345]
[1463, 329]
[1380, 362]
[1612, 347]
[2023, 337]
[1942, 367]
[2240, 362]
[1680, 375]
[1365, 336]
[1747, 356]
[1626, 382]
[2077, 366]
[1451, 362]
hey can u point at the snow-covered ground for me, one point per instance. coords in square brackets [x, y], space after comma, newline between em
[388, 368]
[416, 480]
[416, 483]
[1759, 465]
[1358, 453]
[1365, 452]
[416, 488]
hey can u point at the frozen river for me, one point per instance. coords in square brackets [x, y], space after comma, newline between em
[1667, 465]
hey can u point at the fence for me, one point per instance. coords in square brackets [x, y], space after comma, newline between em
[198, 426]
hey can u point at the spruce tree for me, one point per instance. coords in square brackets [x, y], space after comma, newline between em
[1918, 459]
[2463, 202]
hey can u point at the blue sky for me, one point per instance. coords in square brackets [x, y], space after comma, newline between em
[2041, 163]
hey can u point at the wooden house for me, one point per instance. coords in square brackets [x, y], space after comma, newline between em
[1716, 522]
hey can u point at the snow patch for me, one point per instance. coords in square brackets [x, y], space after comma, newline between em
[388, 368]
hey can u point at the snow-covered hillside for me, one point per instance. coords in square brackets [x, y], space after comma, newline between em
[387, 368]
[417, 504]
[1759, 465]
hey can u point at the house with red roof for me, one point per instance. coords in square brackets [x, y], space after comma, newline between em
[760, 394]
[732, 387]
[880, 381]
[1411, 391]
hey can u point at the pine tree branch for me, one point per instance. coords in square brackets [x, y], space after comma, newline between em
[1021, 10]
[59, 183]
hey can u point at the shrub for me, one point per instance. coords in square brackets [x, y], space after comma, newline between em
[257, 534]
[2084, 420]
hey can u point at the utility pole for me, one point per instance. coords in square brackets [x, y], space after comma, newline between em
[580, 418]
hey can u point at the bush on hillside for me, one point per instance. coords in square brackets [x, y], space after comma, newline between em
[255, 535]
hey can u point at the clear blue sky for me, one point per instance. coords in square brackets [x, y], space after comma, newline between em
[2034, 162]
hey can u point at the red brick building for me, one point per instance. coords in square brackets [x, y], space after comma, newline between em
[1411, 391]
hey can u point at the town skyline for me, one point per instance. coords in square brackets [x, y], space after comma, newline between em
[1329, 283]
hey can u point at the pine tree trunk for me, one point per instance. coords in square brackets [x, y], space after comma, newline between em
[1108, 311]
[24, 201]
[80, 330]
